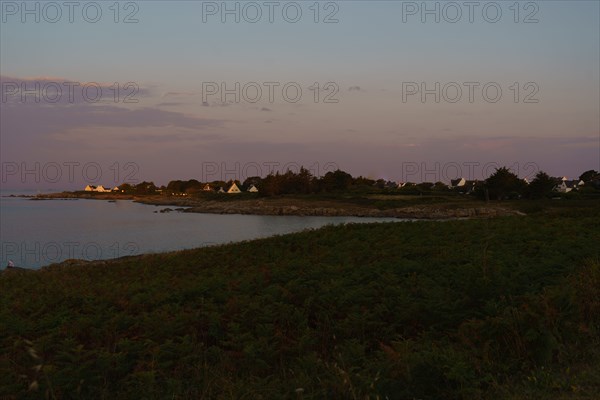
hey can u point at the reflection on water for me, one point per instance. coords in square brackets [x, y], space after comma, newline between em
[38, 233]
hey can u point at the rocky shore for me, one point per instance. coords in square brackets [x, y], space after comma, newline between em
[301, 206]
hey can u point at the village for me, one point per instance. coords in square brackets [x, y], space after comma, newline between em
[339, 181]
[231, 188]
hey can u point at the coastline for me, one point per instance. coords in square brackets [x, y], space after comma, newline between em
[298, 206]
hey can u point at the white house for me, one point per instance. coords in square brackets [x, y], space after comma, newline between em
[575, 184]
[102, 189]
[207, 188]
[458, 182]
[252, 189]
[232, 188]
[565, 185]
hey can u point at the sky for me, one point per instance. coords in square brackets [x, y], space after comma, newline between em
[407, 91]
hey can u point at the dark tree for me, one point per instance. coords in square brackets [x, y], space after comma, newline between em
[252, 180]
[588, 175]
[175, 187]
[541, 186]
[336, 181]
[126, 188]
[503, 184]
[145, 188]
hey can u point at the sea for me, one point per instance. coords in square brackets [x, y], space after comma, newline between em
[37, 233]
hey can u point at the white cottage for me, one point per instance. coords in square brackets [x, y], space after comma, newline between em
[458, 182]
[232, 188]
[102, 189]
[252, 189]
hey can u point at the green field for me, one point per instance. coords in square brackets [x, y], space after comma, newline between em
[496, 308]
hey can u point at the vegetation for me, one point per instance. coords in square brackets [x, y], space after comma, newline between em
[502, 308]
[503, 184]
[541, 186]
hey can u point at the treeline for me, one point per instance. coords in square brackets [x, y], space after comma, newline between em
[503, 184]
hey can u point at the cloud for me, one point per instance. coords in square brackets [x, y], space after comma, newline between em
[265, 109]
[23, 121]
[62, 91]
[62, 106]
[355, 89]
[216, 104]
[168, 94]
[173, 104]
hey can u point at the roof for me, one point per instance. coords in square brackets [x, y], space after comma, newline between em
[230, 185]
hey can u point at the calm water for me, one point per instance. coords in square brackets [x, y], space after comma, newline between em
[38, 233]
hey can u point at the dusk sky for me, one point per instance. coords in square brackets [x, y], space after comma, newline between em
[373, 54]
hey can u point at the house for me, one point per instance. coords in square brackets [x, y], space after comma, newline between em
[220, 190]
[207, 188]
[232, 188]
[454, 183]
[464, 186]
[469, 187]
[252, 189]
[575, 184]
[565, 185]
[102, 189]
[562, 187]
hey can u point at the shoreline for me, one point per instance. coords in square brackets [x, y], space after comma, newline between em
[298, 206]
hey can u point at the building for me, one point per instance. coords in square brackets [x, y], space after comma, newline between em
[454, 183]
[102, 189]
[232, 188]
[252, 189]
[565, 185]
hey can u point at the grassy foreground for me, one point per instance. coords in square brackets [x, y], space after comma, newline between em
[500, 308]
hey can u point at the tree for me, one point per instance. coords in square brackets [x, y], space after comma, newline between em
[126, 188]
[588, 175]
[504, 184]
[336, 181]
[175, 186]
[541, 186]
[145, 188]
[441, 187]
[252, 180]
[270, 186]
[192, 186]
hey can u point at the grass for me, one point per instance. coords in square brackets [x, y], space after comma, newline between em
[500, 308]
